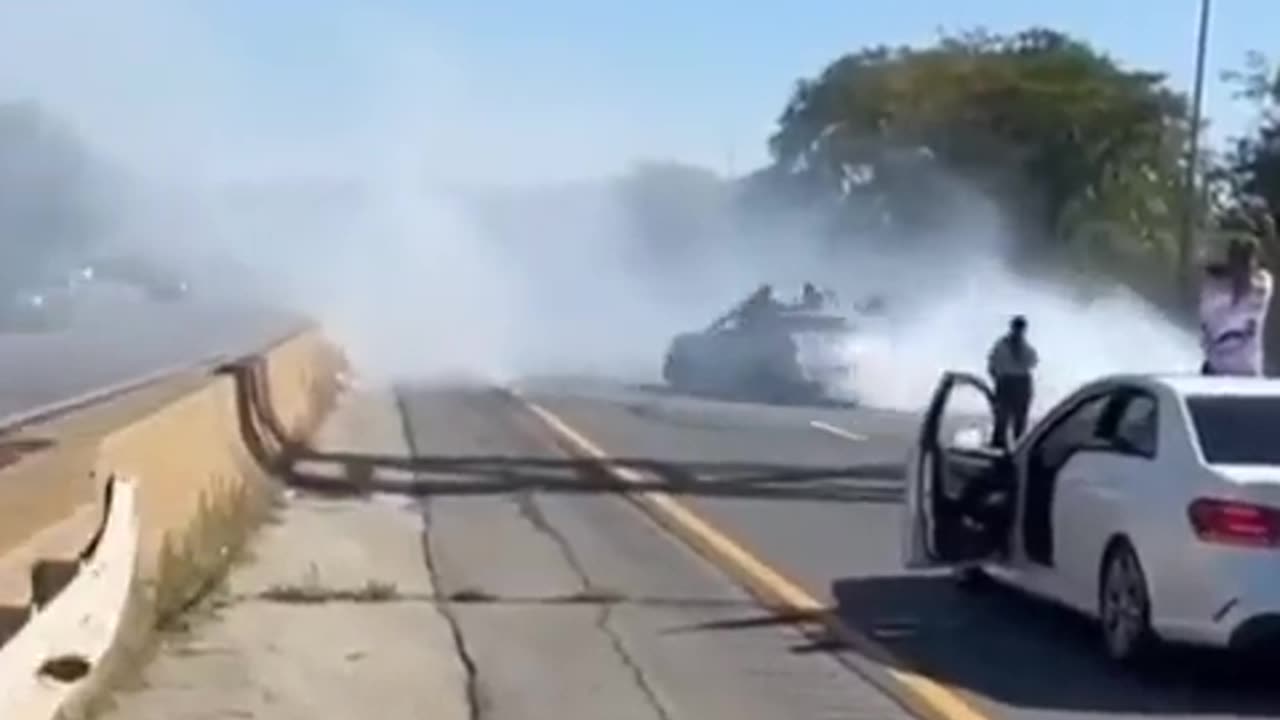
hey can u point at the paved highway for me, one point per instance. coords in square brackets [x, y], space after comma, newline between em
[122, 340]
[576, 605]
[813, 492]
[816, 495]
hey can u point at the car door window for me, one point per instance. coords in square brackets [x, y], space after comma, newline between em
[1069, 433]
[1072, 430]
[1135, 426]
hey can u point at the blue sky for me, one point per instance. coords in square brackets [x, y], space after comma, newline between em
[593, 85]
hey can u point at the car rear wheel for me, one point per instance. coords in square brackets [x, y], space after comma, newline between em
[1124, 605]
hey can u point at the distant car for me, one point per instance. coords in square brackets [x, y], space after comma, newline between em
[37, 309]
[1149, 503]
[155, 281]
[789, 355]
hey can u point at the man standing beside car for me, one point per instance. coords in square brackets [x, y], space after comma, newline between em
[1010, 364]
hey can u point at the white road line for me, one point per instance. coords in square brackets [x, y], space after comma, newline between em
[837, 431]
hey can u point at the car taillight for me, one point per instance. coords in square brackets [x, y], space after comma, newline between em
[1230, 522]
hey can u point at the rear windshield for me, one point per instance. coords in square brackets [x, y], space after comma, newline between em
[1237, 430]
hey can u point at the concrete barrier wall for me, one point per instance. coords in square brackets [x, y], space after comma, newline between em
[202, 458]
[189, 459]
[201, 447]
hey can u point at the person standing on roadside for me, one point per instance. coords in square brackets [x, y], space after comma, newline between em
[1235, 296]
[1011, 364]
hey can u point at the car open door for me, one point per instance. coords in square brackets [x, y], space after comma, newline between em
[960, 498]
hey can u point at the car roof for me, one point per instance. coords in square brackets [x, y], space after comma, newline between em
[1183, 385]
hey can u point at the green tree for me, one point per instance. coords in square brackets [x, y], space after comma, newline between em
[1252, 166]
[1057, 132]
[1250, 174]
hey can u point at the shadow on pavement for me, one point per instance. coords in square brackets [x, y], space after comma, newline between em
[347, 474]
[356, 474]
[11, 451]
[760, 619]
[1025, 655]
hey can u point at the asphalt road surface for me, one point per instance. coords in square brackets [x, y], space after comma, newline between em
[816, 494]
[123, 340]
[570, 603]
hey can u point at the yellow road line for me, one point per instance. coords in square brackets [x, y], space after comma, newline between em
[837, 431]
[920, 694]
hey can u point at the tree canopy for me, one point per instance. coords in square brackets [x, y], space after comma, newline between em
[1251, 171]
[1058, 133]
[1084, 157]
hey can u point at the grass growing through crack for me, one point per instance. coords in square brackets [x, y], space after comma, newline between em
[472, 595]
[586, 596]
[371, 591]
[596, 596]
[191, 567]
[312, 591]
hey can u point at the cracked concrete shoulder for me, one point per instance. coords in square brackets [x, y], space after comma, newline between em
[475, 709]
[528, 506]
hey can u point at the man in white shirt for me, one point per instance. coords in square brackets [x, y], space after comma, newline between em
[1234, 299]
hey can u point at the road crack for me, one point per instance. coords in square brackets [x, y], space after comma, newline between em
[475, 704]
[528, 507]
[637, 673]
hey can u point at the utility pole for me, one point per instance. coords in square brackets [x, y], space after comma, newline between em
[1191, 198]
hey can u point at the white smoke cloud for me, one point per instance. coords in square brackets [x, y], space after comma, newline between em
[321, 181]
[1078, 339]
[956, 294]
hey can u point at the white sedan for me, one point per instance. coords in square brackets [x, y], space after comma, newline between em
[1151, 504]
